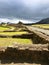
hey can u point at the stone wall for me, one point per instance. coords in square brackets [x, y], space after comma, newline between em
[35, 38]
[14, 55]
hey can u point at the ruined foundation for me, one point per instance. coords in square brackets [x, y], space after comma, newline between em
[21, 54]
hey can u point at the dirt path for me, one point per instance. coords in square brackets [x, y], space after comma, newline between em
[42, 33]
[39, 29]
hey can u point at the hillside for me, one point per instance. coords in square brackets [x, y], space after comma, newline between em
[43, 21]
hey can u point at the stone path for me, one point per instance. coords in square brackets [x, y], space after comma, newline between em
[40, 32]
[39, 29]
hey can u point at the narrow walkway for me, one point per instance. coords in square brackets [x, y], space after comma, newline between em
[40, 32]
[39, 29]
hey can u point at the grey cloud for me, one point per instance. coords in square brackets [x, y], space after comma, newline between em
[28, 9]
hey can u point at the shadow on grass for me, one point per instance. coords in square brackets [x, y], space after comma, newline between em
[34, 38]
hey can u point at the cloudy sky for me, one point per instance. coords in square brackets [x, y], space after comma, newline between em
[26, 9]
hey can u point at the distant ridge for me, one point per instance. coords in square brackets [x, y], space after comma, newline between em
[43, 21]
[24, 23]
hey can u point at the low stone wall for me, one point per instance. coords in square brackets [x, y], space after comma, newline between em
[28, 35]
[14, 55]
[38, 40]
[35, 38]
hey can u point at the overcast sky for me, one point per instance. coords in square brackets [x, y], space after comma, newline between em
[27, 9]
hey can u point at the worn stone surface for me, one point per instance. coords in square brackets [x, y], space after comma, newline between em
[32, 47]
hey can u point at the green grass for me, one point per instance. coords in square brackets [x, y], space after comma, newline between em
[11, 41]
[3, 28]
[45, 26]
[12, 33]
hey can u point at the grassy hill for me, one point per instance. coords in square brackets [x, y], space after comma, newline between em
[43, 21]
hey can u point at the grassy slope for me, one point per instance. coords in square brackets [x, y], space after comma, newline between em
[45, 26]
[12, 33]
[10, 41]
[3, 28]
